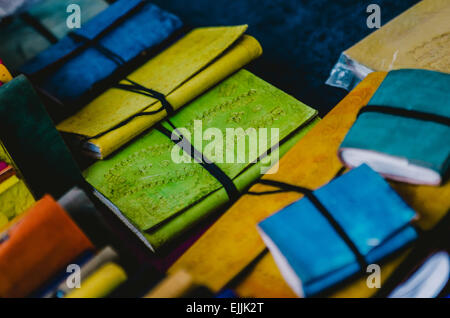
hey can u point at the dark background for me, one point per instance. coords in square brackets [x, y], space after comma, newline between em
[301, 39]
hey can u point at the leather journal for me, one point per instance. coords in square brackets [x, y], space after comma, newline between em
[192, 65]
[160, 198]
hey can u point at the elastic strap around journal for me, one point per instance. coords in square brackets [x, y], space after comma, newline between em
[117, 59]
[138, 89]
[213, 169]
[87, 43]
[443, 120]
[285, 187]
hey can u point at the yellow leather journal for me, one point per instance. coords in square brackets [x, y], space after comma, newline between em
[195, 63]
[232, 247]
[418, 38]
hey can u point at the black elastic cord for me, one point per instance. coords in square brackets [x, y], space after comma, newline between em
[285, 187]
[340, 172]
[213, 169]
[405, 113]
[138, 89]
[87, 44]
[117, 59]
[39, 27]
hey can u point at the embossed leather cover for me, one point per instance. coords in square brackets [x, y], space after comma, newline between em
[163, 198]
[228, 246]
[418, 38]
[192, 65]
[29, 255]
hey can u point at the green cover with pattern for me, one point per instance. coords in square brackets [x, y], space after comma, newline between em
[162, 198]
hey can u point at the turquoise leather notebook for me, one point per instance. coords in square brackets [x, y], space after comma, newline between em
[309, 249]
[403, 132]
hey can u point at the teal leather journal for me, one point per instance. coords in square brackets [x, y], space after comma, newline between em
[403, 132]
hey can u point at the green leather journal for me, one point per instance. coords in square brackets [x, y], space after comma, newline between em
[159, 197]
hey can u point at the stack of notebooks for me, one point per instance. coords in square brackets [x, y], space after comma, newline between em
[154, 196]
[417, 38]
[177, 131]
[192, 65]
[230, 253]
[68, 263]
[23, 269]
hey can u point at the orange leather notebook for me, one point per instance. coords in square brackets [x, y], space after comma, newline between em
[233, 243]
[39, 245]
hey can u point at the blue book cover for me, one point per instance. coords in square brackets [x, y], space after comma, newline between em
[395, 142]
[308, 250]
[137, 26]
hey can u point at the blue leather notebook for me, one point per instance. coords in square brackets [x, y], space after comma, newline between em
[71, 67]
[403, 132]
[308, 249]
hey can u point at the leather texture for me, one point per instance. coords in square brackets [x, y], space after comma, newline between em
[141, 31]
[417, 38]
[182, 72]
[233, 242]
[29, 255]
[136, 178]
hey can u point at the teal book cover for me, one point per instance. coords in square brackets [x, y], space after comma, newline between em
[403, 132]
